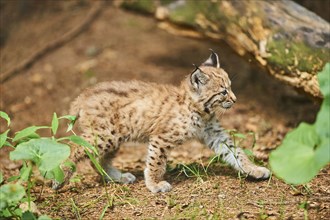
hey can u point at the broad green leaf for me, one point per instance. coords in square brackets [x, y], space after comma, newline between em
[322, 154]
[1, 177]
[57, 174]
[296, 160]
[3, 138]
[304, 133]
[11, 194]
[54, 123]
[322, 123]
[27, 132]
[324, 81]
[28, 216]
[45, 153]
[5, 116]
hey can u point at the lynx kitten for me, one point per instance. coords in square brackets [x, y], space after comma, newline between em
[164, 116]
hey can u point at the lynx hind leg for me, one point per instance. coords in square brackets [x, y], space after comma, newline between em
[155, 169]
[113, 174]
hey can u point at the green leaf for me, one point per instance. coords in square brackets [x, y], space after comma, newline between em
[12, 178]
[72, 120]
[3, 138]
[54, 123]
[80, 141]
[7, 144]
[28, 216]
[25, 172]
[1, 177]
[11, 194]
[27, 132]
[322, 154]
[304, 133]
[18, 212]
[5, 116]
[69, 117]
[296, 160]
[71, 165]
[45, 153]
[324, 80]
[57, 174]
[239, 135]
[322, 122]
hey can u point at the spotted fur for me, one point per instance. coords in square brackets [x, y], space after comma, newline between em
[164, 116]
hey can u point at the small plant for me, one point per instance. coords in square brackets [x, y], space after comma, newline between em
[194, 170]
[48, 154]
[305, 150]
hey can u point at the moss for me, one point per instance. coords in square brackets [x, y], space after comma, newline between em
[145, 6]
[186, 14]
[289, 56]
[166, 2]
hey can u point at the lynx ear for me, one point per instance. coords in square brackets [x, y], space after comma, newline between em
[213, 60]
[198, 78]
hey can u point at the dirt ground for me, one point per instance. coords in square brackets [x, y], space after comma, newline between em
[121, 45]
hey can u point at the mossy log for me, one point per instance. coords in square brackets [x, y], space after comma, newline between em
[292, 43]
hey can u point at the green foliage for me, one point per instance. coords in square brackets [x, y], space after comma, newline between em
[4, 136]
[11, 195]
[5, 116]
[48, 154]
[306, 149]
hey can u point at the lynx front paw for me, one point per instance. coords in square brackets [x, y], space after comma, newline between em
[259, 173]
[162, 186]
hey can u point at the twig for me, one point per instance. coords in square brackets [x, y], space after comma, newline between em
[54, 44]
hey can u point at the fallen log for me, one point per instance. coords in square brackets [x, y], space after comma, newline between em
[292, 43]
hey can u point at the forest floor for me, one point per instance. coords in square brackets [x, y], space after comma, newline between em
[121, 45]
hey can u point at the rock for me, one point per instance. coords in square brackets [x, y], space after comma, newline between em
[33, 208]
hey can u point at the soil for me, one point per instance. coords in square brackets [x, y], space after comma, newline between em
[121, 45]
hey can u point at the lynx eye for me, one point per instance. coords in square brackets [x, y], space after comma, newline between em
[224, 92]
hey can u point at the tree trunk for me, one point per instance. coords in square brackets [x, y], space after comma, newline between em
[292, 43]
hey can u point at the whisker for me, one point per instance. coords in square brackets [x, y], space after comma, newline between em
[232, 78]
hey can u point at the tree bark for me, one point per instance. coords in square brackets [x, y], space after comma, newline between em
[292, 43]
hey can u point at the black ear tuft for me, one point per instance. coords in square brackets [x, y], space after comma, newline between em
[213, 60]
[198, 78]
